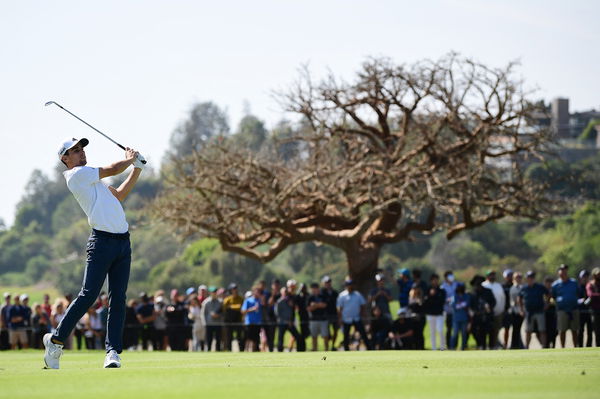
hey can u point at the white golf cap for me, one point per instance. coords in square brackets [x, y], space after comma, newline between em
[24, 297]
[70, 143]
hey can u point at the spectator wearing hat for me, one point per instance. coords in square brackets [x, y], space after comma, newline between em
[198, 325]
[212, 311]
[284, 311]
[318, 320]
[176, 315]
[514, 313]
[381, 297]
[17, 333]
[482, 305]
[232, 313]
[351, 305]
[202, 293]
[460, 317]
[269, 318]
[380, 327]
[4, 344]
[27, 313]
[585, 315]
[533, 298]
[404, 283]
[40, 324]
[252, 312]
[507, 319]
[160, 339]
[593, 293]
[299, 295]
[330, 296]
[302, 307]
[433, 306]
[564, 292]
[190, 293]
[449, 286]
[417, 314]
[402, 332]
[550, 315]
[498, 309]
[145, 315]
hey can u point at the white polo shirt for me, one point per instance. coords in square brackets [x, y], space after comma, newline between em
[103, 209]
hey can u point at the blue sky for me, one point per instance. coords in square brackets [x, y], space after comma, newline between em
[135, 68]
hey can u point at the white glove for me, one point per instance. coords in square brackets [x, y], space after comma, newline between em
[139, 162]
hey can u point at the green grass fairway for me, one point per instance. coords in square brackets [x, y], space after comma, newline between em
[570, 373]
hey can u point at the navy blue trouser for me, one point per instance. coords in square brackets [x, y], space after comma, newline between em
[107, 254]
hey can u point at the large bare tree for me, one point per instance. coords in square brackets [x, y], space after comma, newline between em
[400, 150]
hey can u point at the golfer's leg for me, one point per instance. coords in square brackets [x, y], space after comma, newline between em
[118, 278]
[98, 260]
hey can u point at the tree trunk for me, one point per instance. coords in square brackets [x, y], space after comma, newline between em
[362, 265]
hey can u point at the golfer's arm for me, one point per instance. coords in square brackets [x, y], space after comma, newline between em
[125, 188]
[115, 168]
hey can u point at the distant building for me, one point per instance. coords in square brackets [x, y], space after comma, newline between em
[566, 125]
[560, 117]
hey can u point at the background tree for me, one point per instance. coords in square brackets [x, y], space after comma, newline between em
[573, 239]
[574, 180]
[206, 121]
[398, 151]
[251, 133]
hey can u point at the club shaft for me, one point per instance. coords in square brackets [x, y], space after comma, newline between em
[75, 116]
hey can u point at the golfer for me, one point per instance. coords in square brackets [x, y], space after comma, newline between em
[108, 248]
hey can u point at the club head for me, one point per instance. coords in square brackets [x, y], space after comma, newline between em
[49, 102]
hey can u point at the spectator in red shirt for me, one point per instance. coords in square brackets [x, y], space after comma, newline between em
[46, 307]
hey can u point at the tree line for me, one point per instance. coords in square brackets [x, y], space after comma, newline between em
[405, 187]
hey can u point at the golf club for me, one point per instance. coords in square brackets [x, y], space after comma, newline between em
[140, 157]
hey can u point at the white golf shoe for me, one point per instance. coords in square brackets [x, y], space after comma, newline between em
[112, 360]
[53, 352]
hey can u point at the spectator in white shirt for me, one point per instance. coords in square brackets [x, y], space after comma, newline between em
[351, 304]
[499, 308]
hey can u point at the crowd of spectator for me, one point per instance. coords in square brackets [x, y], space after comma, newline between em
[214, 319]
